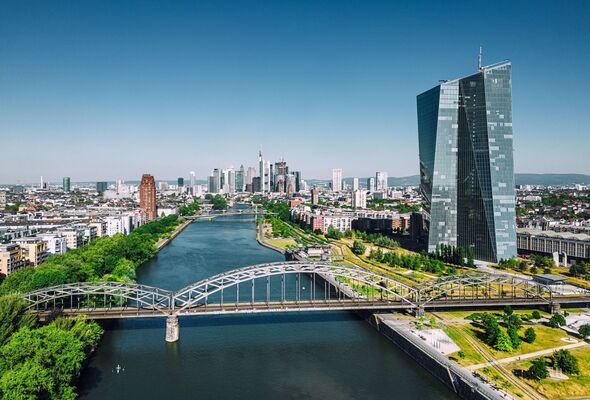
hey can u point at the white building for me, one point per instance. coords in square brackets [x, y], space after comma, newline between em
[55, 242]
[359, 199]
[355, 184]
[381, 181]
[337, 180]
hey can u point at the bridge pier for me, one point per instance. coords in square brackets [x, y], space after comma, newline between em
[172, 328]
[554, 308]
[419, 311]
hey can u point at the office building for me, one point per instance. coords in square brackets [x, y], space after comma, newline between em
[355, 184]
[315, 196]
[297, 181]
[371, 184]
[216, 181]
[101, 187]
[66, 184]
[381, 181]
[147, 197]
[359, 199]
[466, 162]
[240, 179]
[337, 180]
[180, 182]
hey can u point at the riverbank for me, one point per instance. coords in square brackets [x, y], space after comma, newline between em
[458, 379]
[165, 241]
[461, 381]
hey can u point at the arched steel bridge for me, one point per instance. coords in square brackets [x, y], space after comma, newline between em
[288, 286]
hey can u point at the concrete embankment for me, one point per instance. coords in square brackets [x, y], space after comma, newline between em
[457, 378]
[163, 242]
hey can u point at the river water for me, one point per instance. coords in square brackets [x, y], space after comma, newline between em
[274, 356]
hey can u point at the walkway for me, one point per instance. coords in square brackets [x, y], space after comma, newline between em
[526, 356]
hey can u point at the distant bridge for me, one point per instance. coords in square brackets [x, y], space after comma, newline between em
[209, 216]
[289, 287]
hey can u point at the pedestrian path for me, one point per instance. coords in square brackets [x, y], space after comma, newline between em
[526, 356]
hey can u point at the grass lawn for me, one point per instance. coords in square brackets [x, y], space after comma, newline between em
[470, 355]
[578, 386]
[283, 243]
[450, 315]
[547, 338]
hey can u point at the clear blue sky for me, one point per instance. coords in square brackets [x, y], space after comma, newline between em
[112, 89]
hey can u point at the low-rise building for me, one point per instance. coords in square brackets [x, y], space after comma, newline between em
[34, 249]
[11, 258]
[564, 246]
[55, 242]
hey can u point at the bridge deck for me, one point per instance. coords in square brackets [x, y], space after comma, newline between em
[301, 306]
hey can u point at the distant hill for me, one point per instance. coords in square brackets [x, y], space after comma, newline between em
[521, 179]
[551, 179]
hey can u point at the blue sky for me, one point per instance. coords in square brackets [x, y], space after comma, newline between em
[113, 89]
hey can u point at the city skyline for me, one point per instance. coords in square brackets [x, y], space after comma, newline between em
[321, 74]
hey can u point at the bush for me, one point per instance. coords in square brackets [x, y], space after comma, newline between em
[536, 314]
[530, 335]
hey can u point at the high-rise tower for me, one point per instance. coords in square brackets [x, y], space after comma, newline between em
[147, 197]
[466, 162]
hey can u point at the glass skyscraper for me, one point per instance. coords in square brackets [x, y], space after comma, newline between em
[466, 162]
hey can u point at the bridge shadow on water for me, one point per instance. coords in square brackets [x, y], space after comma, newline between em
[232, 320]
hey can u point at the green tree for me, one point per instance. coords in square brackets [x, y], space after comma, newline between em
[557, 320]
[566, 362]
[584, 330]
[536, 314]
[530, 335]
[508, 311]
[538, 369]
[13, 316]
[513, 335]
[503, 342]
[358, 247]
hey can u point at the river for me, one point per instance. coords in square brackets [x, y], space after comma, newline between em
[280, 356]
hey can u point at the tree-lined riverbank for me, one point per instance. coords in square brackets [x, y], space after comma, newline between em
[43, 361]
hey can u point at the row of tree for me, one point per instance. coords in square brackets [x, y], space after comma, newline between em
[112, 258]
[454, 255]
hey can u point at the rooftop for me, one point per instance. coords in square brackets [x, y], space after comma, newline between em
[553, 234]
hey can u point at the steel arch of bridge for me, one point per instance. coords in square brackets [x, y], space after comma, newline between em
[88, 294]
[102, 295]
[197, 293]
[484, 286]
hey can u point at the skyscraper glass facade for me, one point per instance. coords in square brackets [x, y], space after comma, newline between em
[466, 163]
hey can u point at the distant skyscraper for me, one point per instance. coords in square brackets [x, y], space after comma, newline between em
[250, 174]
[297, 181]
[101, 187]
[193, 178]
[359, 199]
[315, 196]
[466, 162]
[355, 184]
[240, 179]
[381, 181]
[216, 180]
[371, 184]
[180, 182]
[337, 180]
[147, 197]
[66, 184]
